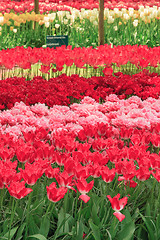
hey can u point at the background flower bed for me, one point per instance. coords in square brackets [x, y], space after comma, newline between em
[122, 26]
[49, 5]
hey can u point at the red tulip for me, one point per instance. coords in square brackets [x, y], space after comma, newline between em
[18, 189]
[55, 194]
[32, 173]
[84, 187]
[64, 180]
[108, 71]
[118, 205]
[45, 69]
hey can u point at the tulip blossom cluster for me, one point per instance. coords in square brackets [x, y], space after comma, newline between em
[131, 113]
[57, 143]
[50, 5]
[103, 56]
[63, 90]
[70, 145]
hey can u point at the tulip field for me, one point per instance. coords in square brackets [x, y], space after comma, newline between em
[80, 124]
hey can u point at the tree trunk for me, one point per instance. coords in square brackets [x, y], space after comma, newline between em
[36, 6]
[101, 23]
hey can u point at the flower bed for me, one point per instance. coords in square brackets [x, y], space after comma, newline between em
[71, 152]
[79, 154]
[122, 27]
[91, 62]
[57, 5]
[64, 90]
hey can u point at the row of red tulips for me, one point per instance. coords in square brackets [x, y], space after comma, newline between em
[103, 56]
[54, 5]
[63, 90]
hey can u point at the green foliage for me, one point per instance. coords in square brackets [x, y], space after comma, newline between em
[82, 33]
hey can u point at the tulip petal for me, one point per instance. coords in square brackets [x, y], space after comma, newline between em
[72, 189]
[119, 215]
[85, 198]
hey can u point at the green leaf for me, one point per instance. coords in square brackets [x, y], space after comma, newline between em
[95, 217]
[13, 231]
[127, 219]
[33, 228]
[5, 226]
[149, 225]
[148, 210]
[79, 231]
[62, 221]
[95, 229]
[127, 231]
[20, 232]
[65, 221]
[20, 212]
[45, 225]
[114, 227]
[38, 236]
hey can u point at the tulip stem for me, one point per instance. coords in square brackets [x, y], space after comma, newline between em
[65, 206]
[12, 216]
[79, 214]
[76, 205]
[27, 214]
[47, 210]
[2, 197]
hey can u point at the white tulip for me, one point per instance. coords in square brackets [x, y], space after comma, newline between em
[82, 10]
[46, 19]
[92, 18]
[146, 11]
[126, 16]
[111, 13]
[60, 15]
[72, 19]
[116, 10]
[115, 28]
[131, 12]
[135, 23]
[110, 19]
[141, 14]
[141, 8]
[155, 13]
[106, 12]
[52, 16]
[57, 25]
[46, 24]
[123, 10]
[14, 30]
[1, 19]
[65, 21]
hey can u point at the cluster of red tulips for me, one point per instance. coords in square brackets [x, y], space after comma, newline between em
[53, 5]
[103, 56]
[64, 89]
